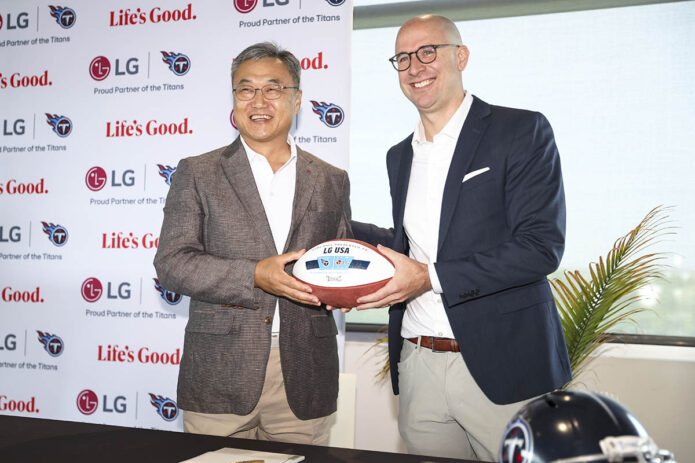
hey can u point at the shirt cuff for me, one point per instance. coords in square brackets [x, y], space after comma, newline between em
[434, 279]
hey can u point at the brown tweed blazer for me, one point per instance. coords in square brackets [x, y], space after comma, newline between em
[214, 232]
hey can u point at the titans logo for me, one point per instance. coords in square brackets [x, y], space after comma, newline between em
[62, 126]
[330, 114]
[57, 234]
[178, 63]
[166, 408]
[170, 297]
[65, 17]
[51, 343]
[517, 443]
[166, 172]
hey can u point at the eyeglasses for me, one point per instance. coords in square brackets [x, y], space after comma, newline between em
[425, 54]
[270, 91]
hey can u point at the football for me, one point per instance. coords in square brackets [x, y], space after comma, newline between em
[340, 271]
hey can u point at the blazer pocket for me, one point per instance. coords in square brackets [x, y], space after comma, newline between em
[213, 321]
[474, 173]
[478, 180]
[323, 326]
[523, 298]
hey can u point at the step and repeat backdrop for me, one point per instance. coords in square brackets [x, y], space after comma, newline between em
[98, 102]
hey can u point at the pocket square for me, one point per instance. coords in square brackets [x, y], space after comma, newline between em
[470, 175]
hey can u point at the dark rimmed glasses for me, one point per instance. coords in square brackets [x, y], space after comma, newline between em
[270, 91]
[425, 54]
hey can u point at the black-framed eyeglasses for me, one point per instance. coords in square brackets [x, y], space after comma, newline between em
[425, 54]
[270, 91]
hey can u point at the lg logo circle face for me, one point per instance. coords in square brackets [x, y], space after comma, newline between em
[245, 6]
[99, 68]
[95, 178]
[92, 289]
[87, 402]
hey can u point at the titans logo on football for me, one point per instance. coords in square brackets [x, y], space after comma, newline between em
[330, 114]
[51, 343]
[517, 444]
[166, 172]
[178, 63]
[62, 126]
[57, 234]
[166, 408]
[170, 297]
[65, 17]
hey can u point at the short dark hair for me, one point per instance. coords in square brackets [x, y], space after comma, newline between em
[269, 50]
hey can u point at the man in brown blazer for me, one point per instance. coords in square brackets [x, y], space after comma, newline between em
[260, 357]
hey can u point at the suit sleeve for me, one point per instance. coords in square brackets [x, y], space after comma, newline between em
[345, 225]
[183, 265]
[534, 207]
[370, 233]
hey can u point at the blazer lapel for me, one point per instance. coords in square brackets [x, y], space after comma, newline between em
[464, 153]
[402, 180]
[236, 167]
[303, 190]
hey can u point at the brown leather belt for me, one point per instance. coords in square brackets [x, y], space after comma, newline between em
[437, 344]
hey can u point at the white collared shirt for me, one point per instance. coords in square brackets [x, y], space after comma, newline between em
[425, 315]
[277, 194]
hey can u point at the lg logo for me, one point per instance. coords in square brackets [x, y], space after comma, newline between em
[13, 128]
[20, 22]
[96, 178]
[88, 402]
[14, 236]
[100, 67]
[246, 6]
[92, 290]
[10, 343]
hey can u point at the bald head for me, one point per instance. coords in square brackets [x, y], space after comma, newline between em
[433, 22]
[432, 81]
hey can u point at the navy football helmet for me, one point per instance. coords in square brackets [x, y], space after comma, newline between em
[576, 427]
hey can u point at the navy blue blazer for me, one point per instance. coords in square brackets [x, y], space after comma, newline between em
[501, 233]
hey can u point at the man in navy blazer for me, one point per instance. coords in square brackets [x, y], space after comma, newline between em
[479, 223]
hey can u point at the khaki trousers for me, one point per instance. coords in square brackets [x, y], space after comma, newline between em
[271, 419]
[442, 410]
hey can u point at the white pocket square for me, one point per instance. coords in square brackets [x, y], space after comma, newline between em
[470, 175]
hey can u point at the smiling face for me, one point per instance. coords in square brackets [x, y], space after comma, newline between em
[262, 121]
[435, 87]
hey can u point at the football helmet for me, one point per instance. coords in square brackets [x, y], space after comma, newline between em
[575, 427]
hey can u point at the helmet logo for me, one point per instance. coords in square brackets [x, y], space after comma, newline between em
[517, 444]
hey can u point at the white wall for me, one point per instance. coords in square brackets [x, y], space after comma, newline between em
[656, 383]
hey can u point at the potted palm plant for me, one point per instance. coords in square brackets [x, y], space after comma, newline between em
[591, 306]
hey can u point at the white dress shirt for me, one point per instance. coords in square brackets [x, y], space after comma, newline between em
[425, 315]
[277, 194]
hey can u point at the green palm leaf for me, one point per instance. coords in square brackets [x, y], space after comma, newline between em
[590, 308]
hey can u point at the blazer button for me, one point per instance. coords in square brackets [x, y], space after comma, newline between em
[268, 320]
